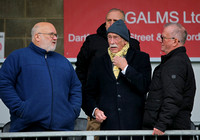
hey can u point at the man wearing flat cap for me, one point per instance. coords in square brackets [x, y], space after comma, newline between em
[118, 82]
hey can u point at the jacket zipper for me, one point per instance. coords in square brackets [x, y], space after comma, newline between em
[51, 92]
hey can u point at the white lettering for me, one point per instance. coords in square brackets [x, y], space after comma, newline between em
[133, 19]
[141, 17]
[149, 19]
[193, 18]
[197, 20]
[158, 36]
[77, 38]
[184, 18]
[71, 37]
[164, 19]
[160, 17]
[194, 37]
[174, 15]
[192, 15]
[143, 37]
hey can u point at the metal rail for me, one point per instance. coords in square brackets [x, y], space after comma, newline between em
[89, 135]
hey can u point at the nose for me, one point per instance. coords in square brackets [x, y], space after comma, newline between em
[112, 41]
[55, 37]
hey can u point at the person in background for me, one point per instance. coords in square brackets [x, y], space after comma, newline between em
[117, 83]
[39, 86]
[94, 46]
[172, 90]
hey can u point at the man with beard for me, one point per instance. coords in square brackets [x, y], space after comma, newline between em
[40, 86]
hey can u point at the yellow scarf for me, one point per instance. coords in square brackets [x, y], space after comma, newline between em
[121, 53]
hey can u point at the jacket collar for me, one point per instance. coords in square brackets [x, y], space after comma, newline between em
[38, 49]
[102, 30]
[130, 53]
[164, 58]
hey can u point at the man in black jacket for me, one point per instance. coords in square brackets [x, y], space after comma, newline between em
[96, 45]
[172, 90]
[117, 83]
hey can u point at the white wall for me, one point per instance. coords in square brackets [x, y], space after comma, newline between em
[4, 113]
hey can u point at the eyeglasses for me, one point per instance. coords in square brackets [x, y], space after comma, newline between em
[51, 34]
[162, 37]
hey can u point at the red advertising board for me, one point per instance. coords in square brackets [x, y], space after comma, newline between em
[144, 19]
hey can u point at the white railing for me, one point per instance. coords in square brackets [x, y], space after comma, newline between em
[89, 135]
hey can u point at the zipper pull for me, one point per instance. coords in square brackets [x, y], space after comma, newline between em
[45, 56]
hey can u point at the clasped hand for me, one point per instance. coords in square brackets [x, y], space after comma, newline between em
[100, 116]
[120, 62]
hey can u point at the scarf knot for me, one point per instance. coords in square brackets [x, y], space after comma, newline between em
[121, 53]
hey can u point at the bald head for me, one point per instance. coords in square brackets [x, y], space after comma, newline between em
[40, 27]
[44, 35]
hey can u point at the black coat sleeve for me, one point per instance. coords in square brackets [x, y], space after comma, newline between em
[91, 88]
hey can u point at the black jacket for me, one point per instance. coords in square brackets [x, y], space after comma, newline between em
[95, 45]
[122, 99]
[171, 96]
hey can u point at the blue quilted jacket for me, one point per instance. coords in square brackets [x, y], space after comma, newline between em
[40, 87]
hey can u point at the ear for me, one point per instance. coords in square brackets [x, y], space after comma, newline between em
[37, 37]
[176, 41]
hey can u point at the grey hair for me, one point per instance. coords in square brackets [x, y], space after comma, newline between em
[179, 31]
[34, 30]
[116, 9]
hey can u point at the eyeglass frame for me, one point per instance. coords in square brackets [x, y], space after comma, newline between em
[163, 37]
[51, 34]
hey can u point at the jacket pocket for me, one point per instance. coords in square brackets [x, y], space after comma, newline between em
[152, 109]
